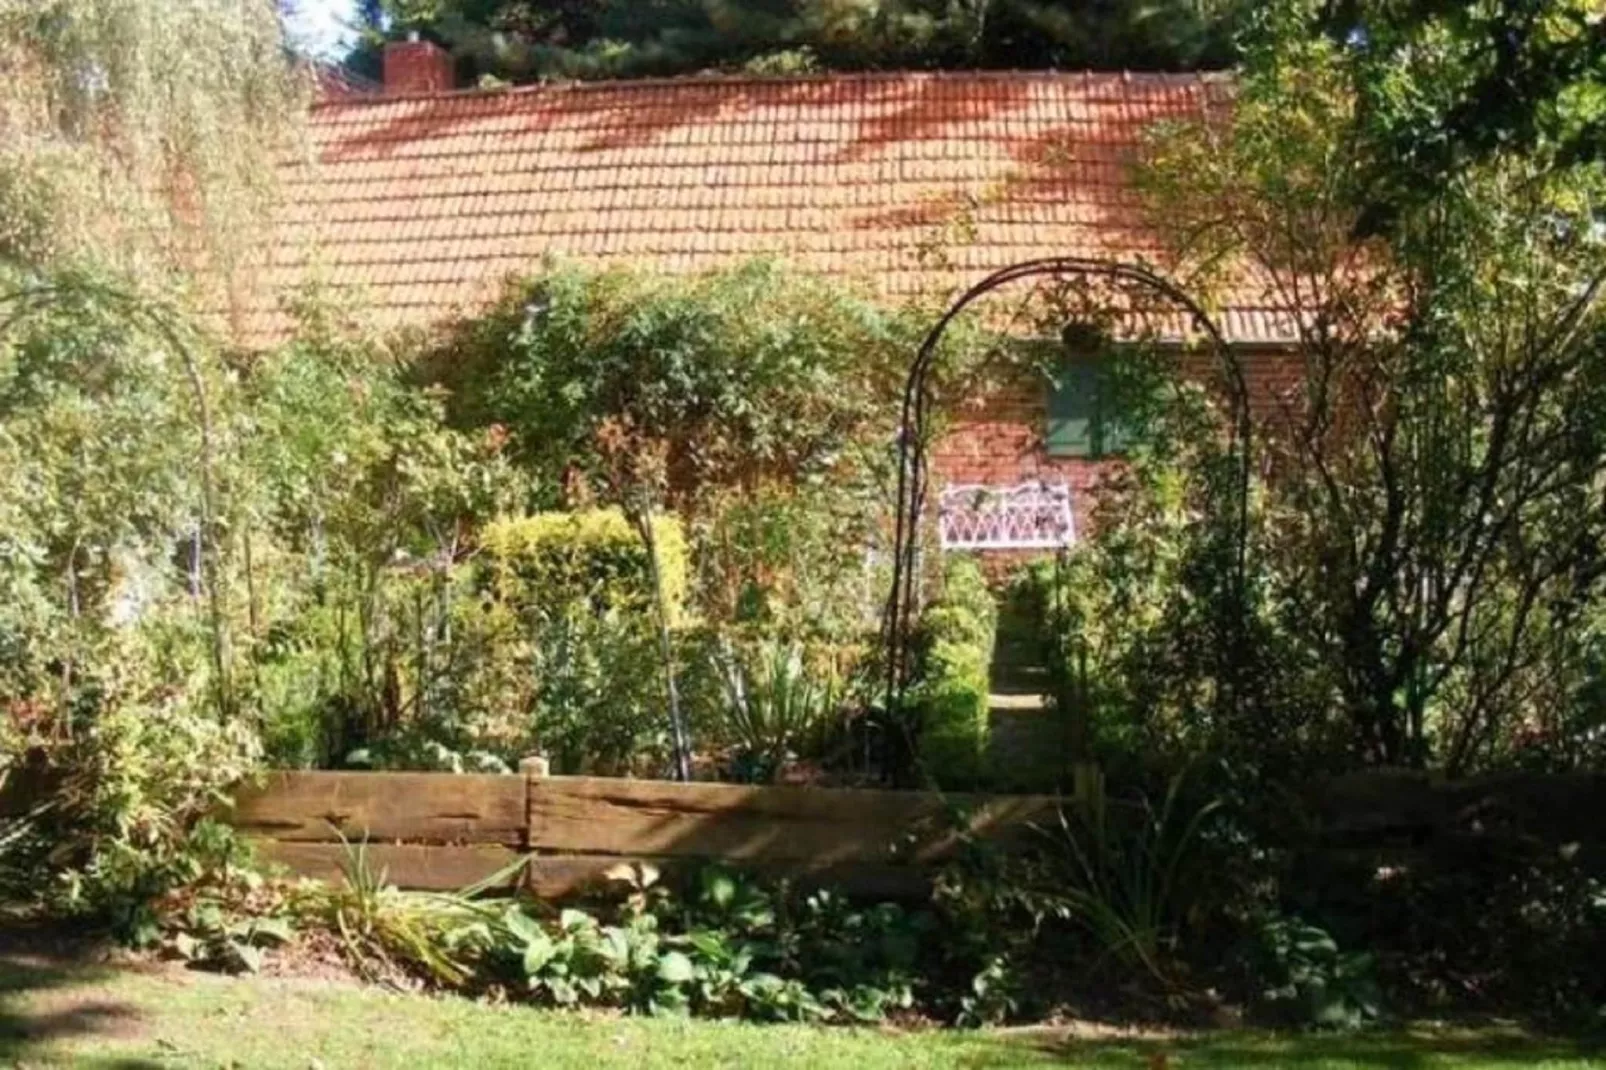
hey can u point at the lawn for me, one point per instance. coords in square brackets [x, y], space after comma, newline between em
[54, 1014]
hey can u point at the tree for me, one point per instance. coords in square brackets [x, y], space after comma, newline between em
[141, 141]
[141, 134]
[1440, 85]
[1434, 489]
[656, 393]
[522, 40]
[137, 163]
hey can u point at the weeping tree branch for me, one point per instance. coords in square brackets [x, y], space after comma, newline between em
[37, 297]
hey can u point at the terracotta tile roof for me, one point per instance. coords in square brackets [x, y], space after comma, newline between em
[426, 204]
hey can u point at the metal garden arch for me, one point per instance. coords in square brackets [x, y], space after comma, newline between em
[903, 600]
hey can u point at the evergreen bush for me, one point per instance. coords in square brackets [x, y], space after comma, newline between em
[956, 650]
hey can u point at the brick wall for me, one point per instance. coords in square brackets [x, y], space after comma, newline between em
[997, 440]
[413, 67]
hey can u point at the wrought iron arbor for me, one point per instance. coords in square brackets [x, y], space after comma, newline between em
[913, 477]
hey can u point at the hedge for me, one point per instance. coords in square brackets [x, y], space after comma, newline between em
[596, 556]
[952, 692]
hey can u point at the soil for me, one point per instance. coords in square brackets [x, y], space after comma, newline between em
[314, 955]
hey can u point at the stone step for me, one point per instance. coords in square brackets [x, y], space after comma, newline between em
[1017, 702]
[1027, 649]
[1020, 690]
[1024, 742]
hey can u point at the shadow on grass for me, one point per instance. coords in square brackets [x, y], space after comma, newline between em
[1493, 1048]
[39, 1006]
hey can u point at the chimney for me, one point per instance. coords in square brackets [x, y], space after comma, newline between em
[414, 66]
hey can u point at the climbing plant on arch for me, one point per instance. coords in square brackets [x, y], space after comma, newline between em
[1117, 290]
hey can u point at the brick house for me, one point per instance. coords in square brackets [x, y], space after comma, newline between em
[424, 200]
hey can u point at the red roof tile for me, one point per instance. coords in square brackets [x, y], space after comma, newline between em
[426, 204]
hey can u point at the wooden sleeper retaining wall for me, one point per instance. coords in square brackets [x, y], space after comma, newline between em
[445, 831]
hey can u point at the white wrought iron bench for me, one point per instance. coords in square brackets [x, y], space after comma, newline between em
[1029, 516]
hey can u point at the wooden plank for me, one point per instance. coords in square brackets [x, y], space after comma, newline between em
[438, 868]
[818, 826]
[423, 867]
[412, 807]
[566, 876]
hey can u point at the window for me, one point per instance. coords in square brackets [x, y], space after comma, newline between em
[1086, 413]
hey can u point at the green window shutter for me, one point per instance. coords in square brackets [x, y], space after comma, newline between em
[1073, 409]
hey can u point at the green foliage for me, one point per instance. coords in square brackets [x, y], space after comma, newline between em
[993, 995]
[209, 939]
[583, 961]
[1128, 873]
[227, 922]
[1152, 666]
[122, 820]
[359, 503]
[522, 41]
[789, 607]
[385, 931]
[657, 393]
[142, 133]
[196, 560]
[390, 648]
[1527, 922]
[393, 625]
[790, 560]
[775, 705]
[593, 557]
[1307, 980]
[730, 947]
[1423, 564]
[112, 660]
[1441, 84]
[599, 702]
[654, 389]
[951, 694]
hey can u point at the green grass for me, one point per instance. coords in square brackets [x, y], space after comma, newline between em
[56, 1015]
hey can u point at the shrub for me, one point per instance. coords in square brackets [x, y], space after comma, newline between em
[1144, 637]
[790, 560]
[727, 947]
[951, 693]
[594, 556]
[1494, 922]
[572, 659]
[354, 510]
[598, 705]
[541, 644]
[119, 814]
[226, 921]
[739, 377]
[376, 660]
[1431, 472]
[1128, 874]
[1303, 978]
[774, 705]
[583, 688]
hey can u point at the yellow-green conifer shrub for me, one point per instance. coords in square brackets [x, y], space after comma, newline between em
[595, 555]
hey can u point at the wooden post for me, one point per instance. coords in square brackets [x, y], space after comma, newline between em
[532, 767]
